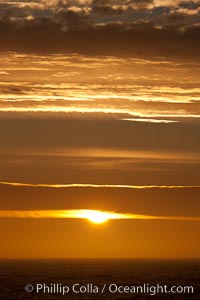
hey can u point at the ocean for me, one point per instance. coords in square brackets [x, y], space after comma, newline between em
[99, 279]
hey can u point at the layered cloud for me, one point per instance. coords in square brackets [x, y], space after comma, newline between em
[100, 87]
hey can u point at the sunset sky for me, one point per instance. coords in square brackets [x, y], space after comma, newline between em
[99, 109]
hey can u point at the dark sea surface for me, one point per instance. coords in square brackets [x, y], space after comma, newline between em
[16, 274]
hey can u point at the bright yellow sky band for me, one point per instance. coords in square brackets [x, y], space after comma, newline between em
[95, 216]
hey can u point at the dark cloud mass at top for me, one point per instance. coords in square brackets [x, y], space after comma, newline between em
[111, 27]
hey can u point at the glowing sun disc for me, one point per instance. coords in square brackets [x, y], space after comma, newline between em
[97, 217]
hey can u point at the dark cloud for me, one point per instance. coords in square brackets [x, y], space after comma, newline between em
[113, 27]
[69, 19]
[116, 7]
[71, 31]
[107, 7]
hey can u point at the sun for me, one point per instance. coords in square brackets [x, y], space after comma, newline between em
[97, 217]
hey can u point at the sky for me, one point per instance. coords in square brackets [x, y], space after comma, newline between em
[99, 110]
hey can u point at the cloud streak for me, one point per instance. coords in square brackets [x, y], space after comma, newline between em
[149, 120]
[90, 185]
[86, 214]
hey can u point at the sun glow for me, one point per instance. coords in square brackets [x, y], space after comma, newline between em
[94, 216]
[97, 217]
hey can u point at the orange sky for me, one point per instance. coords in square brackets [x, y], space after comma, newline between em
[100, 111]
[115, 238]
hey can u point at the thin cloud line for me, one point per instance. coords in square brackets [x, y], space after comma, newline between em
[106, 110]
[91, 185]
[149, 120]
